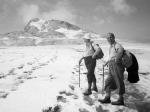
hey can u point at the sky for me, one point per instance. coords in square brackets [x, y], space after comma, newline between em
[127, 19]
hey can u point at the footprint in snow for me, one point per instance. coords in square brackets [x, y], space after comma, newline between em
[89, 100]
[31, 77]
[72, 87]
[34, 68]
[56, 108]
[66, 93]
[43, 64]
[21, 66]
[30, 63]
[52, 77]
[28, 72]
[11, 72]
[3, 94]
[69, 93]
[61, 99]
[83, 110]
[2, 75]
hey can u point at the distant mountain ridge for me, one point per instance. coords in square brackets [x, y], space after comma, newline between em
[45, 32]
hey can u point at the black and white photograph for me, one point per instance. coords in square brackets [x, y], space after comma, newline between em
[74, 55]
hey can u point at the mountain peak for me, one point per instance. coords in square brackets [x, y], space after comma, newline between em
[40, 25]
[45, 32]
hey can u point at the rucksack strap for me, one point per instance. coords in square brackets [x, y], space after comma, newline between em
[92, 47]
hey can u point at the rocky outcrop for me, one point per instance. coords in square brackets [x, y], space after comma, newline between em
[44, 32]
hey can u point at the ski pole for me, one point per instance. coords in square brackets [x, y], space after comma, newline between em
[103, 82]
[79, 75]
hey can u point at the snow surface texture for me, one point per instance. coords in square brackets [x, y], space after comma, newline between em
[45, 79]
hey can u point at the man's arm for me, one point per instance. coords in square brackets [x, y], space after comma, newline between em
[97, 50]
[120, 50]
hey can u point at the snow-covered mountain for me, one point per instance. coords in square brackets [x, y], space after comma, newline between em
[45, 32]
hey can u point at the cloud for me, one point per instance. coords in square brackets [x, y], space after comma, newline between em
[122, 7]
[28, 12]
[61, 11]
[106, 11]
[115, 6]
[98, 21]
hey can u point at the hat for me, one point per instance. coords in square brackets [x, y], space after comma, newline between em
[87, 36]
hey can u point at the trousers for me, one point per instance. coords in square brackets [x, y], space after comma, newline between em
[90, 65]
[115, 78]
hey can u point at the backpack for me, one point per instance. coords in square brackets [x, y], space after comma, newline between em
[98, 52]
[130, 62]
[126, 58]
[133, 75]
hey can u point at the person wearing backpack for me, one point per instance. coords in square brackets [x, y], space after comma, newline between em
[115, 78]
[91, 54]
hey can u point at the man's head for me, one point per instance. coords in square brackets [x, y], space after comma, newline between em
[110, 38]
[86, 38]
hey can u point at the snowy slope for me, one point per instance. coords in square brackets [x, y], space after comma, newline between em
[38, 79]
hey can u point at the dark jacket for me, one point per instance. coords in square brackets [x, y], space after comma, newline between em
[133, 76]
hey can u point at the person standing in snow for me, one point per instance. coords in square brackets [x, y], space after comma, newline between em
[90, 62]
[115, 78]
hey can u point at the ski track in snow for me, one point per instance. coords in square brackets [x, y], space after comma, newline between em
[36, 79]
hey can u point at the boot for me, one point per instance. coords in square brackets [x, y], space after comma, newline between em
[120, 101]
[105, 100]
[87, 92]
[94, 89]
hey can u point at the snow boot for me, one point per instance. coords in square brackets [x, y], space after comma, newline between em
[105, 100]
[94, 89]
[120, 101]
[87, 92]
